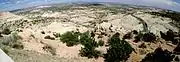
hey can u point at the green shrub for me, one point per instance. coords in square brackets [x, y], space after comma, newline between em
[89, 46]
[5, 49]
[114, 39]
[70, 38]
[101, 43]
[119, 50]
[86, 39]
[89, 52]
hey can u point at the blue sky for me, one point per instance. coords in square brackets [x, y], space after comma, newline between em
[17, 4]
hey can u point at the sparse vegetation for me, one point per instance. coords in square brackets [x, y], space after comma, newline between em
[50, 49]
[175, 16]
[119, 50]
[103, 19]
[12, 41]
[169, 14]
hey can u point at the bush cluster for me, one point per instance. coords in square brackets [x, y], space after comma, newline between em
[119, 50]
[6, 31]
[101, 42]
[159, 55]
[90, 44]
[70, 38]
[86, 39]
[170, 36]
[89, 52]
[146, 37]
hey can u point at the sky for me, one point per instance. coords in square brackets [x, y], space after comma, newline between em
[7, 5]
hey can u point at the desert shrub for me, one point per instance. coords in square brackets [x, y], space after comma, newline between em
[135, 32]
[5, 49]
[89, 46]
[138, 37]
[50, 49]
[170, 36]
[70, 38]
[149, 37]
[12, 41]
[101, 43]
[6, 31]
[92, 34]
[146, 37]
[159, 55]
[128, 35]
[119, 50]
[42, 32]
[114, 39]
[89, 52]
[86, 39]
[143, 45]
[17, 45]
[49, 37]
